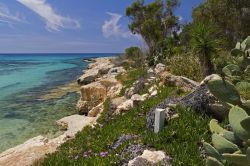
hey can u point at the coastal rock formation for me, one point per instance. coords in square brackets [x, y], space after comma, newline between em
[98, 84]
[36, 148]
[95, 70]
[152, 158]
[96, 93]
[171, 80]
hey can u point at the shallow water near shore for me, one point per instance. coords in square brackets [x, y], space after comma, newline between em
[23, 79]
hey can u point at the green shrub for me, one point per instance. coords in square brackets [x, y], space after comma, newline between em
[185, 65]
[130, 77]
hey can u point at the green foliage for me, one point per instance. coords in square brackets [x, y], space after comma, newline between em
[133, 52]
[205, 46]
[244, 89]
[224, 91]
[232, 18]
[130, 77]
[155, 22]
[185, 65]
[226, 152]
[240, 71]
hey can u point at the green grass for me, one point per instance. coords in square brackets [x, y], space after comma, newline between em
[180, 139]
[130, 77]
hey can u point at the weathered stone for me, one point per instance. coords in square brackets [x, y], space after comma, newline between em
[152, 158]
[96, 110]
[116, 71]
[95, 70]
[126, 106]
[178, 81]
[137, 99]
[97, 92]
[88, 77]
[130, 152]
[91, 95]
[122, 139]
[159, 68]
[154, 93]
[209, 78]
[136, 88]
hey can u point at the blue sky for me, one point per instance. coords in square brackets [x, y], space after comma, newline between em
[70, 26]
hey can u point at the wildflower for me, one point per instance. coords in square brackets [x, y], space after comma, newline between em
[103, 154]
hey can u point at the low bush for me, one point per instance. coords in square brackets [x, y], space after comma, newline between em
[185, 65]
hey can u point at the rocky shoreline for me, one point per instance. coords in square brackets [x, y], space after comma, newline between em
[97, 84]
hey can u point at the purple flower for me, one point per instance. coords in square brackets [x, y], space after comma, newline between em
[103, 154]
[85, 154]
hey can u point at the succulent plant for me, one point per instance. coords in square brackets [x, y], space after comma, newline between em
[241, 52]
[230, 147]
[224, 91]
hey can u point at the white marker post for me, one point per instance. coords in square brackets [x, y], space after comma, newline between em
[159, 120]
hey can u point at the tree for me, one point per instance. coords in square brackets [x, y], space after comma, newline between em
[155, 22]
[232, 17]
[205, 46]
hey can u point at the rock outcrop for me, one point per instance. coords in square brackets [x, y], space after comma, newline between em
[103, 86]
[179, 81]
[152, 158]
[95, 70]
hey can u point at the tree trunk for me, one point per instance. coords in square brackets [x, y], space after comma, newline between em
[206, 65]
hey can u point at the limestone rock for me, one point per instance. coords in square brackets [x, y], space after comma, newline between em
[96, 93]
[88, 77]
[97, 69]
[137, 99]
[154, 93]
[126, 106]
[179, 81]
[151, 158]
[136, 88]
[209, 78]
[159, 68]
[91, 95]
[117, 101]
[96, 110]
[116, 71]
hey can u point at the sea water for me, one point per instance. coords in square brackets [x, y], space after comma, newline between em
[25, 77]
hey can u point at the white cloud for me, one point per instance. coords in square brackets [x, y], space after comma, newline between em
[54, 21]
[7, 17]
[112, 27]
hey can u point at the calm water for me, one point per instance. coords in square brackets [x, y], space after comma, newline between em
[25, 77]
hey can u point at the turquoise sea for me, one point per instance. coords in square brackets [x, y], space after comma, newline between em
[25, 77]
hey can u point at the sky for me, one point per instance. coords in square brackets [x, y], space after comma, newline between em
[70, 26]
